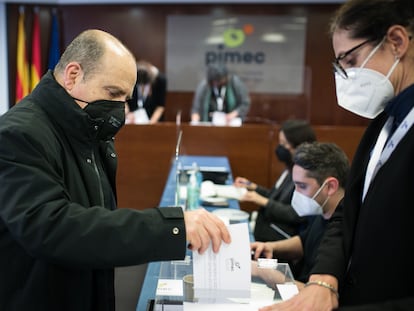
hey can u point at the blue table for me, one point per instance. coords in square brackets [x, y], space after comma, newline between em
[168, 199]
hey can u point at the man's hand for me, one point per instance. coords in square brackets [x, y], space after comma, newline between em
[310, 298]
[203, 227]
[261, 248]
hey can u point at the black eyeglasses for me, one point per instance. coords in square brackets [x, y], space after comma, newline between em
[338, 67]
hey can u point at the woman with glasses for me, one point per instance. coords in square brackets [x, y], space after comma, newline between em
[365, 261]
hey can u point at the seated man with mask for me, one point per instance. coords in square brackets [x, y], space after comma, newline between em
[319, 173]
[276, 219]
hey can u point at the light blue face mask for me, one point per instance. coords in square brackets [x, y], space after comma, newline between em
[306, 206]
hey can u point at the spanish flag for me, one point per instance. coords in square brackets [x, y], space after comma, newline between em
[36, 64]
[22, 76]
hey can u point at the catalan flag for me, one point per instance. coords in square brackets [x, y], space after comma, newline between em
[36, 63]
[22, 76]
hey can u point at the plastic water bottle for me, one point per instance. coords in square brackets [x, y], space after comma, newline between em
[178, 172]
[193, 188]
[199, 175]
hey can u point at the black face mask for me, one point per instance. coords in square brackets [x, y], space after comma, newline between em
[283, 154]
[111, 113]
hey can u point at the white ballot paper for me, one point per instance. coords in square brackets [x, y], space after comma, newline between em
[209, 189]
[223, 276]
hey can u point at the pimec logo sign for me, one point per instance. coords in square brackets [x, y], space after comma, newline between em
[266, 52]
[227, 51]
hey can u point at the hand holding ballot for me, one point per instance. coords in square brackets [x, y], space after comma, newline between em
[251, 195]
[243, 182]
[203, 227]
[226, 274]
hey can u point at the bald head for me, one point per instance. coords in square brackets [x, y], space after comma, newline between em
[89, 48]
[96, 66]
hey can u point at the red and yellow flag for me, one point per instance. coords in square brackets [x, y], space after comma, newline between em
[36, 64]
[22, 76]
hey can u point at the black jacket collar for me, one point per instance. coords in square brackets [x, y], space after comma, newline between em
[62, 109]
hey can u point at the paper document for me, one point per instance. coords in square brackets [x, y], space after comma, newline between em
[209, 189]
[141, 116]
[287, 291]
[168, 287]
[230, 191]
[221, 276]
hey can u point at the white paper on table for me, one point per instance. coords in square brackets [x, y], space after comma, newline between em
[235, 122]
[209, 189]
[287, 291]
[168, 287]
[230, 191]
[219, 118]
[140, 116]
[226, 274]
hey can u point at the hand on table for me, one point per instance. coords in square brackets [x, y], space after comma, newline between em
[310, 298]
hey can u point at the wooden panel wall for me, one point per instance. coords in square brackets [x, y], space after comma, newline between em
[146, 152]
[143, 28]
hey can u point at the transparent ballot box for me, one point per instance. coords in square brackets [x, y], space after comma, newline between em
[170, 292]
[271, 282]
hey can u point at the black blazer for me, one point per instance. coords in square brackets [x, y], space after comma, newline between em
[374, 238]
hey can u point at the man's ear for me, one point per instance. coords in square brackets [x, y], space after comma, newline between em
[333, 185]
[73, 74]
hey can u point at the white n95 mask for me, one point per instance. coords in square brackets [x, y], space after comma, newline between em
[365, 92]
[306, 206]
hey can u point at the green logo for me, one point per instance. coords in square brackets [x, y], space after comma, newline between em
[233, 37]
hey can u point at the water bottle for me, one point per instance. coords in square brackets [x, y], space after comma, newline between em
[178, 173]
[193, 188]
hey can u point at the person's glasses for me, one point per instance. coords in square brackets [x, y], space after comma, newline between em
[337, 65]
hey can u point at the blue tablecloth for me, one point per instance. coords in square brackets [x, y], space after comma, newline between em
[168, 199]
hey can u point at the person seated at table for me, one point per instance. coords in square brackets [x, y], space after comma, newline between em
[319, 172]
[276, 219]
[220, 92]
[147, 104]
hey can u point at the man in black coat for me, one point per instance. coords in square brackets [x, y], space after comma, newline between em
[60, 232]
